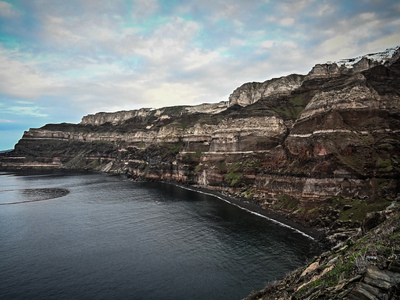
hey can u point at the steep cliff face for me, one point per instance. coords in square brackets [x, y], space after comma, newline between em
[323, 148]
[354, 65]
[251, 92]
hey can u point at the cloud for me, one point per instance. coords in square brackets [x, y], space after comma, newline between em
[7, 10]
[6, 121]
[125, 55]
[25, 110]
[287, 21]
[23, 79]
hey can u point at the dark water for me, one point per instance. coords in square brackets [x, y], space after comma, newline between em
[104, 237]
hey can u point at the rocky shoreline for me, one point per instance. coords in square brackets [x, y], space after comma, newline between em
[281, 218]
[365, 266]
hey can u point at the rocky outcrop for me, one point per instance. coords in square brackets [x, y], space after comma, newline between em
[251, 92]
[119, 117]
[354, 65]
[362, 267]
[114, 117]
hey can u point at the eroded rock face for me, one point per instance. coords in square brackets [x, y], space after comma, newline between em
[354, 65]
[119, 117]
[115, 117]
[318, 149]
[251, 92]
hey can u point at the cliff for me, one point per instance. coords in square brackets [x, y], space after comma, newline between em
[251, 92]
[119, 117]
[323, 148]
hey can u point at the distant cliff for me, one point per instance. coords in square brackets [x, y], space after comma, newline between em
[322, 148]
[145, 113]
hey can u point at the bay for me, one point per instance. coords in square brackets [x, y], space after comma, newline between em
[93, 236]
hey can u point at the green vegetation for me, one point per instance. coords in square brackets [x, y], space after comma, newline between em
[357, 209]
[221, 166]
[170, 149]
[235, 172]
[233, 178]
[198, 168]
[298, 100]
[78, 162]
[351, 259]
[289, 112]
[285, 202]
[384, 165]
[354, 162]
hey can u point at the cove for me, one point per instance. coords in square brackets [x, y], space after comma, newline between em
[112, 238]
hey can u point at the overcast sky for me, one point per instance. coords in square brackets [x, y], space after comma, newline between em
[61, 60]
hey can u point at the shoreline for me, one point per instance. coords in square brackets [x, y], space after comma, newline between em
[277, 217]
[280, 218]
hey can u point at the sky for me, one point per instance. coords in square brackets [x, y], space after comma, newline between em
[61, 60]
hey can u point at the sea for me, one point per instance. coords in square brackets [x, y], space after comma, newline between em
[69, 235]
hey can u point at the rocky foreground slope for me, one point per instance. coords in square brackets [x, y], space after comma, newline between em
[324, 148]
[364, 267]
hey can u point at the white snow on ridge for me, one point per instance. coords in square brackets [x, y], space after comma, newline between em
[381, 57]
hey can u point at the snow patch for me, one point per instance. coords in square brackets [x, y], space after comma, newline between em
[381, 57]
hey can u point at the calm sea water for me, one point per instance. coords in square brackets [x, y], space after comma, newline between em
[104, 237]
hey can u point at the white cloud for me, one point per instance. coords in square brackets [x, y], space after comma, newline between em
[7, 10]
[143, 8]
[34, 111]
[268, 44]
[286, 21]
[294, 8]
[386, 41]
[336, 44]
[167, 94]
[23, 79]
[58, 31]
[236, 42]
[6, 121]
[325, 9]
[198, 58]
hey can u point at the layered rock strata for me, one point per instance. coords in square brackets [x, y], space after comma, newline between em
[147, 113]
[251, 92]
[323, 148]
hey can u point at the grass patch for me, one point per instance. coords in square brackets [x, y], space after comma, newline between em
[353, 162]
[221, 166]
[233, 178]
[286, 202]
[384, 165]
[289, 112]
[359, 208]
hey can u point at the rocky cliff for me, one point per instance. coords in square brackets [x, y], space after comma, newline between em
[251, 92]
[145, 113]
[324, 148]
